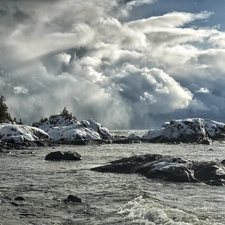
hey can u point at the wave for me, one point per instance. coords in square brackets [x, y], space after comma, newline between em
[151, 211]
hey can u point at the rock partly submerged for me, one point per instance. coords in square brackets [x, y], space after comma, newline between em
[168, 168]
[58, 155]
[72, 198]
[131, 138]
[62, 129]
[192, 130]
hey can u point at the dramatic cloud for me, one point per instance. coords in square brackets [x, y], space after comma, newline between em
[92, 58]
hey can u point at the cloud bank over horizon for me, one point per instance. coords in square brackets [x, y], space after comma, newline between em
[95, 59]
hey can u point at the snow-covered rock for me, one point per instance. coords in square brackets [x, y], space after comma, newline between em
[187, 130]
[72, 133]
[92, 124]
[55, 121]
[214, 129]
[21, 133]
[63, 129]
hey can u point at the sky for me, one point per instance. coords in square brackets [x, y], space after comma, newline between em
[128, 64]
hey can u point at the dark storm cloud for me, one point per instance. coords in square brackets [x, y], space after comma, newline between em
[83, 55]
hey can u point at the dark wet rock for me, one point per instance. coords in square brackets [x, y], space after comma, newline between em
[210, 171]
[72, 156]
[12, 145]
[128, 165]
[168, 168]
[122, 141]
[205, 141]
[131, 138]
[42, 143]
[58, 155]
[218, 182]
[14, 203]
[28, 214]
[19, 198]
[72, 198]
[54, 156]
[174, 174]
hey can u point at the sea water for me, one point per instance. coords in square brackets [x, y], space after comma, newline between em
[107, 198]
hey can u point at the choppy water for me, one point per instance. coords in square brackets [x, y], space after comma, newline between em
[107, 198]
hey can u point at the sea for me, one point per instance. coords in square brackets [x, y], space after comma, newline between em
[107, 198]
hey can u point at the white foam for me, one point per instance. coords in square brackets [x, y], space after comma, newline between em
[155, 212]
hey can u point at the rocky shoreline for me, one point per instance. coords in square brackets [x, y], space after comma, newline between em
[63, 130]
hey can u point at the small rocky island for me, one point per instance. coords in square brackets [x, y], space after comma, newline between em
[57, 129]
[168, 168]
[66, 129]
[191, 130]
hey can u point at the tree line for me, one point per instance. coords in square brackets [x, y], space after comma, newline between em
[6, 117]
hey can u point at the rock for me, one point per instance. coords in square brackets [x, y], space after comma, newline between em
[28, 214]
[181, 174]
[218, 182]
[42, 143]
[168, 168]
[209, 171]
[14, 203]
[122, 141]
[171, 169]
[19, 198]
[58, 155]
[54, 156]
[205, 141]
[72, 198]
[128, 165]
[72, 156]
[131, 138]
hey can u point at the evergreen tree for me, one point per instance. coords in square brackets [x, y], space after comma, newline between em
[66, 113]
[4, 115]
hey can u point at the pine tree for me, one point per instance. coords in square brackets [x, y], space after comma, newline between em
[4, 115]
[66, 113]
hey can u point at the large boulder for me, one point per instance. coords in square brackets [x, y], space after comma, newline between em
[58, 155]
[188, 131]
[62, 129]
[168, 168]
